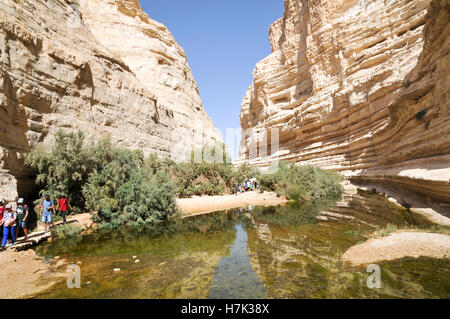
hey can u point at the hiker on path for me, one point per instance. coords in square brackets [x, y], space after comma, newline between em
[22, 217]
[9, 225]
[47, 207]
[2, 210]
[63, 203]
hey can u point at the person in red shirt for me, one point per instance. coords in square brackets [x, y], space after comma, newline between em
[2, 210]
[63, 203]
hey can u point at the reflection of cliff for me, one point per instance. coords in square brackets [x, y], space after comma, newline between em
[360, 86]
[235, 277]
[294, 262]
[303, 261]
[189, 275]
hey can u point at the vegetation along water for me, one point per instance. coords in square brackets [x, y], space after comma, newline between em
[257, 252]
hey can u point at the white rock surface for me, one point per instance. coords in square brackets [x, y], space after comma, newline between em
[103, 67]
[360, 86]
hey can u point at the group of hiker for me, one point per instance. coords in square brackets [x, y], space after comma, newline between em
[247, 186]
[13, 220]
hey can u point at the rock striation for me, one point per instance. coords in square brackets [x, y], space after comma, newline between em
[359, 86]
[103, 67]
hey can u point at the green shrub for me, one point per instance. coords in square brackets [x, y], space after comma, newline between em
[302, 182]
[269, 182]
[65, 169]
[203, 178]
[132, 199]
[116, 182]
[297, 192]
[121, 193]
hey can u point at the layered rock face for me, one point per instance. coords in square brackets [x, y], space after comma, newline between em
[154, 56]
[103, 67]
[360, 87]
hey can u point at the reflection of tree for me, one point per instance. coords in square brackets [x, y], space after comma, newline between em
[176, 260]
[294, 214]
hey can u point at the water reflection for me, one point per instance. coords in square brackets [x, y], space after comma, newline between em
[275, 252]
[297, 251]
[235, 277]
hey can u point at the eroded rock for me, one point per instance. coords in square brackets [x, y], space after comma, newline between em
[103, 67]
[360, 87]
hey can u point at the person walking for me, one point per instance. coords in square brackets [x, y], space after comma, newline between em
[9, 225]
[2, 210]
[22, 217]
[63, 203]
[47, 207]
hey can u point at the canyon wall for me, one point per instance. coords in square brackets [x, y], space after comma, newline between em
[359, 86]
[103, 67]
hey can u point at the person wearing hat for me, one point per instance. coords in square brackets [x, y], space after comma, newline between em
[47, 207]
[63, 203]
[9, 225]
[22, 217]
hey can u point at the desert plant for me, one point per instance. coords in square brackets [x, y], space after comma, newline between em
[121, 194]
[302, 182]
[108, 179]
[64, 169]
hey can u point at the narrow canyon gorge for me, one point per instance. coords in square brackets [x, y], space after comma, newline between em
[102, 67]
[358, 86]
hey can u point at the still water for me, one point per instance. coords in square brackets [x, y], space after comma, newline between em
[255, 252]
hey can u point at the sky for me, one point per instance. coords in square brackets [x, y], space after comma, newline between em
[223, 41]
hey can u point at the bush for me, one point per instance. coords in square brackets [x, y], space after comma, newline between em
[297, 192]
[110, 180]
[302, 182]
[122, 190]
[204, 178]
[121, 194]
[65, 169]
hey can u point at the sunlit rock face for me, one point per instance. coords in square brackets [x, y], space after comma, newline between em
[154, 56]
[360, 87]
[103, 67]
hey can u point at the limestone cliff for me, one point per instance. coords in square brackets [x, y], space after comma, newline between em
[359, 86]
[100, 66]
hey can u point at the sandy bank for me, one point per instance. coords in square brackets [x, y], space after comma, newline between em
[28, 272]
[208, 204]
[24, 273]
[399, 245]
